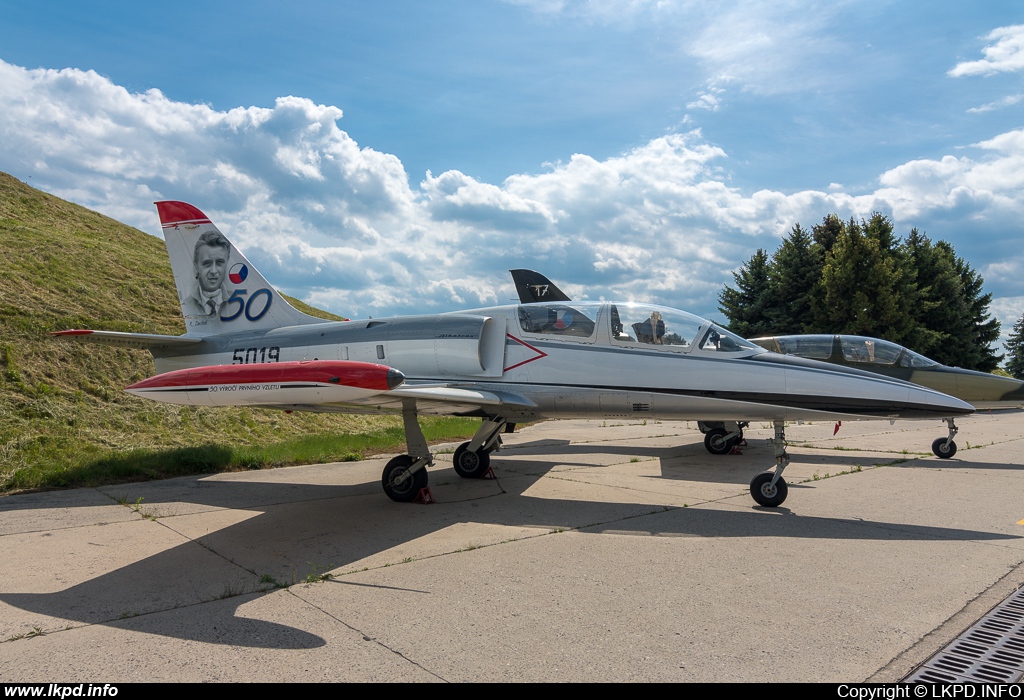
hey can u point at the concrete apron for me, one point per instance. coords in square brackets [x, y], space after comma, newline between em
[604, 551]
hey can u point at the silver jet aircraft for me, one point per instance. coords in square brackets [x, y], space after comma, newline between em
[981, 389]
[245, 345]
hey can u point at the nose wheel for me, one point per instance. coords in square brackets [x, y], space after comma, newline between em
[944, 448]
[769, 489]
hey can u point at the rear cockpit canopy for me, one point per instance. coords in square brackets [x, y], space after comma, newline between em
[853, 349]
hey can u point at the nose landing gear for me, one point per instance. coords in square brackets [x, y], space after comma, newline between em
[769, 489]
[944, 448]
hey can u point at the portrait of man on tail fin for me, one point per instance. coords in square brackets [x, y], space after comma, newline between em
[210, 259]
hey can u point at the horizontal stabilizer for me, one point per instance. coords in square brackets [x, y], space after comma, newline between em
[146, 341]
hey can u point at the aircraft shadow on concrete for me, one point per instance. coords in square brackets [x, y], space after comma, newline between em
[678, 464]
[301, 526]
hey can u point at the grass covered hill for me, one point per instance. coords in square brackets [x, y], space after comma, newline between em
[64, 419]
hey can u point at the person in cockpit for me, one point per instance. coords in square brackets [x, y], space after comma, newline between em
[651, 331]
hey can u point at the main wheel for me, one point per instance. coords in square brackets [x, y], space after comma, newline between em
[398, 483]
[716, 443]
[942, 450]
[765, 494]
[470, 465]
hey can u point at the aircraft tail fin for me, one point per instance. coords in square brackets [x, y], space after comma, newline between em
[533, 287]
[219, 289]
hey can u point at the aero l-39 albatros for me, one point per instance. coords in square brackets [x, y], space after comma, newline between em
[245, 345]
[981, 390]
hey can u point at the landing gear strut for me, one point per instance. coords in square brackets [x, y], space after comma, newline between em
[944, 448]
[720, 438]
[769, 489]
[472, 459]
[405, 476]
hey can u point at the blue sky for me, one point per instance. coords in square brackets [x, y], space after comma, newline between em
[627, 149]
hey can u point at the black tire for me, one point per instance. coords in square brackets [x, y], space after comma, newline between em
[942, 450]
[765, 494]
[406, 490]
[470, 465]
[715, 442]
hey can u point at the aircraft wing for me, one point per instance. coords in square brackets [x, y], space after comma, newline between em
[449, 400]
[129, 340]
[328, 386]
[433, 399]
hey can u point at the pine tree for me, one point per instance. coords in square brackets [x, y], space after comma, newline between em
[827, 232]
[795, 275]
[1015, 350]
[860, 278]
[750, 307]
[868, 285]
[905, 291]
[978, 330]
[940, 308]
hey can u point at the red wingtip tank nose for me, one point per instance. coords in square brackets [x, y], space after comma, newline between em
[363, 375]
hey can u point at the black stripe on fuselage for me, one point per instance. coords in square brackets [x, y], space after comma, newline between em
[829, 404]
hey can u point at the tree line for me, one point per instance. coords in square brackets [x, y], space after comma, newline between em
[859, 278]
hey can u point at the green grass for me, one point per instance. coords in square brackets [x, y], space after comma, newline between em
[122, 466]
[64, 419]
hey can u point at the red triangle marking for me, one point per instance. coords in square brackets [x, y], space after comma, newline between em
[540, 353]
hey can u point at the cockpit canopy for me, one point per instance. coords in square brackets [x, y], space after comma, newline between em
[855, 349]
[629, 325]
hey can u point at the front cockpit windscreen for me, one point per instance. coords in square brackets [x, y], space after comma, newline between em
[870, 350]
[572, 321]
[911, 359]
[654, 325]
[717, 339]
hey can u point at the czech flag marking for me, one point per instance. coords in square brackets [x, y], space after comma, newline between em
[238, 273]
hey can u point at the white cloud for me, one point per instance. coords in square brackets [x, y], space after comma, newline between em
[998, 104]
[990, 186]
[340, 225]
[766, 46]
[1006, 54]
[1006, 310]
[709, 99]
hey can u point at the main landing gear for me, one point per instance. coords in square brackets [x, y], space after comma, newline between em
[405, 477]
[472, 460]
[721, 437]
[769, 489]
[944, 448]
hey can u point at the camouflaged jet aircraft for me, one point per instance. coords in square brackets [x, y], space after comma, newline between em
[981, 390]
[245, 345]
